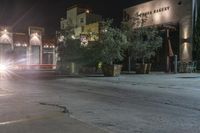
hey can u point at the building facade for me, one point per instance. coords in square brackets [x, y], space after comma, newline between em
[86, 24]
[167, 13]
[28, 50]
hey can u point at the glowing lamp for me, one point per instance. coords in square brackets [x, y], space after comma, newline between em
[87, 11]
[3, 68]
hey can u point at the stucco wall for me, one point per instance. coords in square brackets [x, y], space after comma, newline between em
[159, 12]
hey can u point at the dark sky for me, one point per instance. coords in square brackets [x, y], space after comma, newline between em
[47, 13]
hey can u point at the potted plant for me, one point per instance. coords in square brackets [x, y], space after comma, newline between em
[111, 46]
[143, 43]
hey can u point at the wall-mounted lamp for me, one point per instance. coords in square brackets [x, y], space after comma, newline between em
[4, 32]
[188, 40]
[48, 46]
[24, 45]
[21, 45]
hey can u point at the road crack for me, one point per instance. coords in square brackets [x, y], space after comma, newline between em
[65, 110]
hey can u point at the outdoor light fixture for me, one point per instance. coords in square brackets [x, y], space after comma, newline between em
[17, 44]
[73, 37]
[87, 11]
[104, 30]
[4, 32]
[46, 46]
[35, 39]
[21, 45]
[24, 45]
[52, 46]
[5, 37]
[36, 34]
[61, 38]
[49, 46]
[188, 40]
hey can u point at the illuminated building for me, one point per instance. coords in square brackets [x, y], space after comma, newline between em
[27, 49]
[85, 23]
[180, 14]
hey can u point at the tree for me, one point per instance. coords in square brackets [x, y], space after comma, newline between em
[112, 44]
[69, 49]
[143, 42]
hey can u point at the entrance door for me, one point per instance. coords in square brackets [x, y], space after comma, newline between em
[35, 54]
[47, 58]
[159, 62]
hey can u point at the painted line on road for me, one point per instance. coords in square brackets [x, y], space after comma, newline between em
[4, 95]
[50, 115]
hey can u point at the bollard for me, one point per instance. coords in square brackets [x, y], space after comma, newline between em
[175, 64]
[129, 64]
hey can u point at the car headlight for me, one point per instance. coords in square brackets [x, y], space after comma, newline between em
[3, 68]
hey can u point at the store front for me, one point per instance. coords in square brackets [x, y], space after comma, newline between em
[26, 51]
[177, 17]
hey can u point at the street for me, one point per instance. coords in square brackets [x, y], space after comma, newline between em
[155, 103]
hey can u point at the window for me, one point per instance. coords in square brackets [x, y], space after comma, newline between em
[81, 20]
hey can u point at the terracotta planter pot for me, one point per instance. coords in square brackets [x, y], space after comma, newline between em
[112, 70]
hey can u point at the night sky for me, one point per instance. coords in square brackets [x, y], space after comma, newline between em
[47, 13]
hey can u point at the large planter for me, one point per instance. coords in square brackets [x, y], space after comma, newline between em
[87, 70]
[111, 70]
[148, 68]
[141, 68]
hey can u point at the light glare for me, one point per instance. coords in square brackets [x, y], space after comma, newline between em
[3, 68]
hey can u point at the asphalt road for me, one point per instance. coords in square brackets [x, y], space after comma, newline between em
[156, 103]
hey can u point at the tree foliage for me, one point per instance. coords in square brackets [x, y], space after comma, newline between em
[142, 42]
[112, 44]
[69, 49]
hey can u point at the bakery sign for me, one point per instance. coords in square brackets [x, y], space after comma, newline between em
[142, 18]
[159, 10]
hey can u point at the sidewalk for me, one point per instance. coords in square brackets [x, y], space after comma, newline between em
[157, 78]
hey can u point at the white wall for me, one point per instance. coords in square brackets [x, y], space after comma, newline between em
[71, 16]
